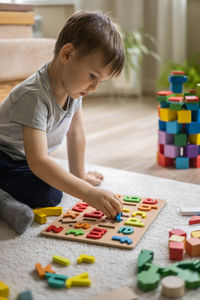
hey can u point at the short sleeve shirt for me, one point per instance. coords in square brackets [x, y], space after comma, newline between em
[32, 103]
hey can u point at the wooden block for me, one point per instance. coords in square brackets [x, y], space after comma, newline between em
[173, 286]
[177, 231]
[16, 7]
[167, 115]
[194, 220]
[25, 295]
[61, 260]
[184, 116]
[102, 230]
[177, 238]
[195, 234]
[124, 293]
[16, 18]
[56, 280]
[4, 289]
[40, 218]
[192, 246]
[194, 138]
[41, 271]
[189, 210]
[84, 258]
[176, 250]
[145, 256]
[148, 280]
[49, 211]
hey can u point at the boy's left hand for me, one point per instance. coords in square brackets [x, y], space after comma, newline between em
[93, 177]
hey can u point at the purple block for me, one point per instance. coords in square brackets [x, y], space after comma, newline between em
[191, 150]
[165, 138]
[171, 151]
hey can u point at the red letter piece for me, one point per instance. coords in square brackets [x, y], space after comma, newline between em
[55, 229]
[96, 233]
[97, 214]
[81, 206]
[150, 201]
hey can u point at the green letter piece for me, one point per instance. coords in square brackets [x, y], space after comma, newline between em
[145, 256]
[75, 231]
[132, 199]
[148, 280]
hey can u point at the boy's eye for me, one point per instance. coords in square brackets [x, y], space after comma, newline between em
[92, 76]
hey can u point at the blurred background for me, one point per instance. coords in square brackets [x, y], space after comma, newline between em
[121, 117]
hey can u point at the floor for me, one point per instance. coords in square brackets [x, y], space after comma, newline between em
[122, 133]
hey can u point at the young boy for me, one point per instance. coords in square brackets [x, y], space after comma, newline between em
[39, 112]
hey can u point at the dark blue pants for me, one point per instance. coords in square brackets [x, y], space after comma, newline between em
[17, 179]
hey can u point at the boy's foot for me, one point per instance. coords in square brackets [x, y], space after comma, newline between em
[16, 214]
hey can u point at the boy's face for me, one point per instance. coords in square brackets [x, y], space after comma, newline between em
[80, 76]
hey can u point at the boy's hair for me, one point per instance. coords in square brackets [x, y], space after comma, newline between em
[90, 32]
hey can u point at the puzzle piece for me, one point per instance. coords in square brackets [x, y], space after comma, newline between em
[49, 211]
[4, 289]
[61, 260]
[78, 280]
[83, 258]
[25, 295]
[145, 256]
[56, 280]
[121, 239]
[148, 280]
[41, 271]
[55, 229]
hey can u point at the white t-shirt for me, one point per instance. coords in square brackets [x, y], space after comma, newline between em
[32, 103]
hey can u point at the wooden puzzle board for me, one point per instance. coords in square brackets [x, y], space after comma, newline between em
[112, 227]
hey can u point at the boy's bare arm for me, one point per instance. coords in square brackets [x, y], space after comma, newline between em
[76, 145]
[36, 150]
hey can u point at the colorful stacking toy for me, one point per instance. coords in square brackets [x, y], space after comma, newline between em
[179, 125]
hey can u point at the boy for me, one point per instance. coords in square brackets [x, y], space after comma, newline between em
[44, 108]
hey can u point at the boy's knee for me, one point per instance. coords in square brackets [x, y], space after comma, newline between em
[50, 197]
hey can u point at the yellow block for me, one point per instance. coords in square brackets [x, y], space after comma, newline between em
[140, 213]
[126, 209]
[16, 18]
[40, 218]
[167, 114]
[194, 138]
[184, 116]
[49, 211]
[4, 289]
[85, 258]
[3, 298]
[61, 260]
[195, 234]
[79, 280]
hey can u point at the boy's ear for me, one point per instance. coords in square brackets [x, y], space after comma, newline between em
[67, 52]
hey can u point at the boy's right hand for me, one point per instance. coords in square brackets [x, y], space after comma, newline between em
[105, 201]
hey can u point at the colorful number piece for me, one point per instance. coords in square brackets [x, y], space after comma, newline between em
[61, 260]
[54, 228]
[41, 271]
[56, 280]
[132, 199]
[84, 258]
[75, 232]
[79, 280]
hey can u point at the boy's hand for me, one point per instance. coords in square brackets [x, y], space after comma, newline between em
[105, 201]
[94, 178]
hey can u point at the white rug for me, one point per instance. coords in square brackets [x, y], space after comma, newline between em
[113, 268]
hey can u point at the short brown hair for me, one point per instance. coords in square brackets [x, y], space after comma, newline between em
[92, 31]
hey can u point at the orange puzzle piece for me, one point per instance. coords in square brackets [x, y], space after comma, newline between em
[41, 271]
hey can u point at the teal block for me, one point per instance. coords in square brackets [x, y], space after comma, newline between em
[25, 295]
[182, 162]
[56, 280]
[173, 127]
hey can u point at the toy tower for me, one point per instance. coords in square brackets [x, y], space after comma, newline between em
[179, 125]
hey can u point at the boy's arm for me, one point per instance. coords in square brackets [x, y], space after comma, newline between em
[76, 151]
[44, 167]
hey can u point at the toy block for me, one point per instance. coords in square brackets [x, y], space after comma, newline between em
[175, 99]
[126, 230]
[164, 161]
[176, 250]
[164, 104]
[61, 260]
[180, 139]
[165, 138]
[49, 211]
[191, 99]
[148, 280]
[40, 218]
[56, 280]
[176, 106]
[177, 238]
[196, 115]
[79, 280]
[192, 106]
[176, 83]
[4, 289]
[178, 232]
[173, 127]
[167, 115]
[161, 125]
[124, 293]
[54, 228]
[41, 271]
[161, 148]
[84, 258]
[162, 96]
[122, 239]
[194, 220]
[97, 214]
[191, 151]
[3, 298]
[184, 116]
[195, 162]
[195, 234]
[192, 246]
[25, 295]
[189, 210]
[132, 199]
[173, 286]
[182, 162]
[171, 151]
[118, 217]
[194, 138]
[145, 256]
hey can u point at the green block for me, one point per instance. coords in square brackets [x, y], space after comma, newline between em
[145, 256]
[148, 280]
[180, 139]
[75, 231]
[164, 98]
[132, 199]
[176, 106]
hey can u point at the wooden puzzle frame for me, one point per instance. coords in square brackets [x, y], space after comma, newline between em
[142, 211]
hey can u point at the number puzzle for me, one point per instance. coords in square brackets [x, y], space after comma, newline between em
[82, 223]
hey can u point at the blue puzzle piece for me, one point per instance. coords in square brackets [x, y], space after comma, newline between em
[56, 280]
[122, 239]
[25, 295]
